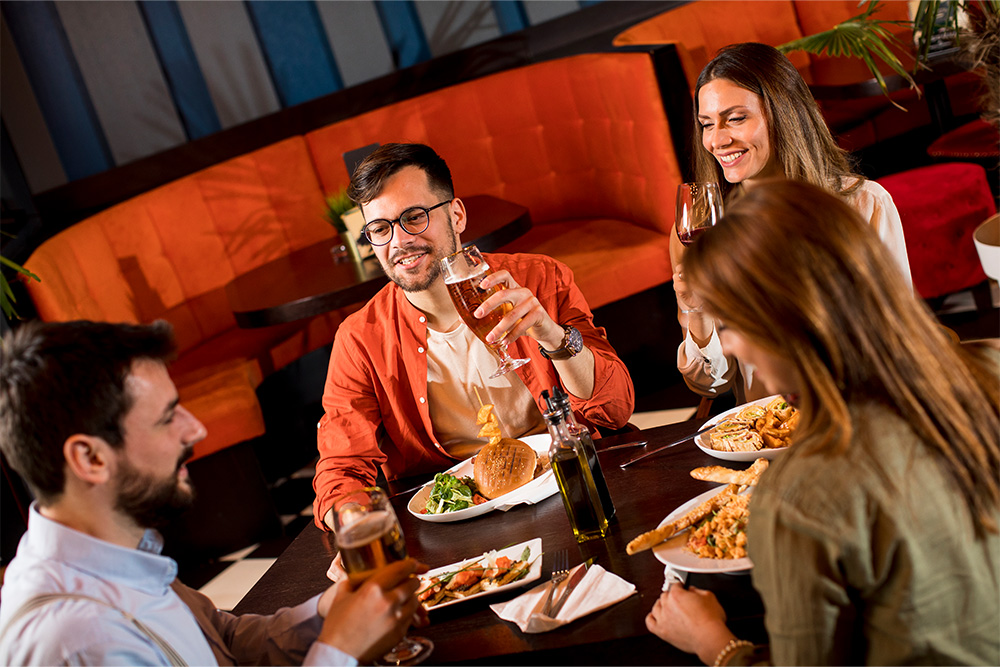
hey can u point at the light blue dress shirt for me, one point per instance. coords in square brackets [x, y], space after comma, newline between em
[53, 558]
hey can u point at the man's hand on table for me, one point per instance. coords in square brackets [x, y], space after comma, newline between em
[367, 622]
[692, 620]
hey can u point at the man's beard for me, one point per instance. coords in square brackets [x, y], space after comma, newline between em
[151, 502]
[418, 285]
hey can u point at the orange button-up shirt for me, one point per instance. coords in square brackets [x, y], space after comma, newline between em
[376, 385]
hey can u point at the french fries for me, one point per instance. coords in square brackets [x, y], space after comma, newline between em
[755, 427]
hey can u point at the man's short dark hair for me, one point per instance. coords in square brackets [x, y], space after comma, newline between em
[370, 176]
[62, 378]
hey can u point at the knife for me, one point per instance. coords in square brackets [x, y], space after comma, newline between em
[578, 575]
[641, 443]
[704, 430]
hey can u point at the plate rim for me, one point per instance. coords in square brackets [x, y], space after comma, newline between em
[489, 506]
[534, 572]
[739, 457]
[675, 543]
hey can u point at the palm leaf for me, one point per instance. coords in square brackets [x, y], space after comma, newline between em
[7, 299]
[861, 37]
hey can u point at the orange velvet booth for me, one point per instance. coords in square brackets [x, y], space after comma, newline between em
[703, 27]
[582, 142]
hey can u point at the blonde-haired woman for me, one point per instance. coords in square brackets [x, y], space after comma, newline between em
[757, 119]
[874, 538]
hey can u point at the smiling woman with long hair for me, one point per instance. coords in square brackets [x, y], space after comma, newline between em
[756, 119]
[874, 538]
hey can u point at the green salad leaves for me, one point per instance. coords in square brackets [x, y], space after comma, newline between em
[450, 494]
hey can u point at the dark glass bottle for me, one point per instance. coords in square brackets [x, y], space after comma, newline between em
[576, 483]
[559, 400]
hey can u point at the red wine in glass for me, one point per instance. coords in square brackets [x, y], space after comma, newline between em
[699, 207]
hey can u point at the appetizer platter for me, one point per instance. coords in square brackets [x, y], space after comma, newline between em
[707, 533]
[759, 429]
[537, 489]
[492, 572]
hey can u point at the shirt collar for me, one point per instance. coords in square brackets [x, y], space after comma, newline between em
[142, 568]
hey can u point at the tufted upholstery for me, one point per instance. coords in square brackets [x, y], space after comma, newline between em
[168, 254]
[582, 142]
[705, 26]
[940, 207]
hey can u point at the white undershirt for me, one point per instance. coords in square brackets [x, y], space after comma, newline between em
[458, 365]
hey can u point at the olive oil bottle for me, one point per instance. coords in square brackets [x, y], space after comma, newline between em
[576, 482]
[560, 400]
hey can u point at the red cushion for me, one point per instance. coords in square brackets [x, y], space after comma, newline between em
[940, 207]
[977, 139]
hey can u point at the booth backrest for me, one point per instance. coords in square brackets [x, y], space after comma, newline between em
[170, 252]
[705, 26]
[580, 137]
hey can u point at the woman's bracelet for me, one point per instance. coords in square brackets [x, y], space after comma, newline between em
[691, 310]
[726, 653]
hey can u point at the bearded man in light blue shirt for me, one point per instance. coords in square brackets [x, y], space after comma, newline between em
[91, 420]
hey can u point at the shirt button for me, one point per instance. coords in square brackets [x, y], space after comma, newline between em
[423, 400]
[423, 319]
[420, 350]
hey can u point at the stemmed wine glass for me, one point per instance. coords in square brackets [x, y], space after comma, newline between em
[369, 537]
[699, 206]
[463, 271]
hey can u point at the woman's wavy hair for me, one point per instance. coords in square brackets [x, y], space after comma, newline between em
[796, 270]
[796, 131]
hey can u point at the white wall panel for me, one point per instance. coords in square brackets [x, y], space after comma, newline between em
[356, 38]
[229, 54]
[123, 78]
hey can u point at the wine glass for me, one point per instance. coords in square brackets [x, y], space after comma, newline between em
[699, 206]
[463, 271]
[369, 537]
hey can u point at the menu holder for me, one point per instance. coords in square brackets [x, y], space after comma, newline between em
[355, 222]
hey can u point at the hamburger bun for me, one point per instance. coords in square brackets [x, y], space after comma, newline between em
[503, 466]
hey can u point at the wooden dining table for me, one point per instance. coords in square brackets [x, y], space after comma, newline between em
[471, 633]
[310, 281]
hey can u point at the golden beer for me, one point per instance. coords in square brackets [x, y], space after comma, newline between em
[370, 543]
[468, 296]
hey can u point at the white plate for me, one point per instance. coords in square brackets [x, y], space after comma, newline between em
[704, 441]
[534, 491]
[513, 553]
[673, 553]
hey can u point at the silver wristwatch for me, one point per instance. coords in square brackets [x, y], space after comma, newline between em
[572, 344]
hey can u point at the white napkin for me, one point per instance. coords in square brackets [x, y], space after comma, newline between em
[533, 492]
[598, 589]
[672, 576]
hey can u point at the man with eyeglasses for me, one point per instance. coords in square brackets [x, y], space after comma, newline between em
[406, 375]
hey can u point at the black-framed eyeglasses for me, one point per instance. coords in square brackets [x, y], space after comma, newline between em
[414, 220]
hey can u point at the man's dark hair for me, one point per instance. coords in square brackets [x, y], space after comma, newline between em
[370, 176]
[62, 378]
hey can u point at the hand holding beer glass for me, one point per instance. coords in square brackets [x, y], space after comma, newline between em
[698, 207]
[369, 537]
[463, 271]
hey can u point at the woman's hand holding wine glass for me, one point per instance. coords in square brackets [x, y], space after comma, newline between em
[698, 208]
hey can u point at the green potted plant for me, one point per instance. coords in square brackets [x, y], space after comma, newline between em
[7, 299]
[337, 206]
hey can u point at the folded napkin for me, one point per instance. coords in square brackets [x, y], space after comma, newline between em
[598, 589]
[533, 492]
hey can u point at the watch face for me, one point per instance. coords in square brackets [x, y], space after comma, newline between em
[574, 340]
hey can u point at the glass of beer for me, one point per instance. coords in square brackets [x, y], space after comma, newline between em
[698, 207]
[369, 537]
[463, 271]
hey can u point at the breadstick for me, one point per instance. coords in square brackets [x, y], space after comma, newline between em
[650, 539]
[725, 475]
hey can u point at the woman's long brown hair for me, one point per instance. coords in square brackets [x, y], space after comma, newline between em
[796, 131]
[797, 271]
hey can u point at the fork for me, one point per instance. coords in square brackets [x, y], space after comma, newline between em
[560, 570]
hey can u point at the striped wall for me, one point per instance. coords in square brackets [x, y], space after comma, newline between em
[86, 85]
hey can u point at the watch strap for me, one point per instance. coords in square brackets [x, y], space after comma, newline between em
[571, 345]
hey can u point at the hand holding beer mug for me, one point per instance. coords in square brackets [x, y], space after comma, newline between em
[368, 538]
[463, 271]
